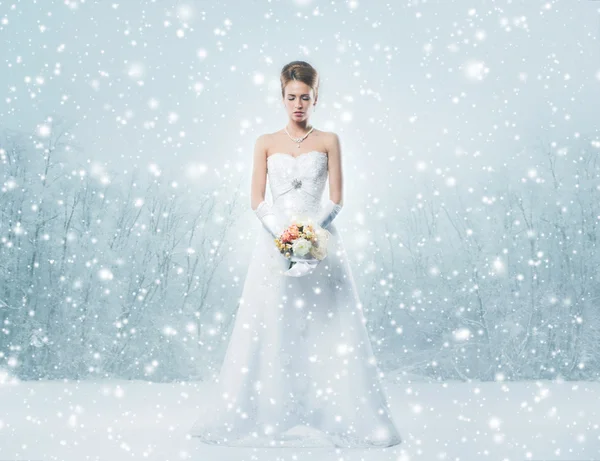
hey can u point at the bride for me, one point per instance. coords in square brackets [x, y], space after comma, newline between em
[299, 369]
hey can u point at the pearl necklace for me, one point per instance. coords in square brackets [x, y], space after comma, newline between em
[298, 140]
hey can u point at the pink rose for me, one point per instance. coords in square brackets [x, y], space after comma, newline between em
[286, 237]
[294, 231]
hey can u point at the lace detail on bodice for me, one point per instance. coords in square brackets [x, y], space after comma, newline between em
[297, 182]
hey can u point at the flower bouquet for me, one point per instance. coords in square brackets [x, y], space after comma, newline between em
[303, 241]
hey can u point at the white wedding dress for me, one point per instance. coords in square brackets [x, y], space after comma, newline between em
[299, 368]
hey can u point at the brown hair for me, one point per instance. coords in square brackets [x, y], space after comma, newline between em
[302, 71]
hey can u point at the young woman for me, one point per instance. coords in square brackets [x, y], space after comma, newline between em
[299, 368]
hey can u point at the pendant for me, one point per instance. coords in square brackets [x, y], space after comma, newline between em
[298, 146]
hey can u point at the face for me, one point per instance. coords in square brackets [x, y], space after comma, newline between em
[299, 97]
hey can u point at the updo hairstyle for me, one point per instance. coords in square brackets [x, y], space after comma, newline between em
[302, 71]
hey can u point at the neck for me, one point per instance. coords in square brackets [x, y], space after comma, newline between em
[298, 129]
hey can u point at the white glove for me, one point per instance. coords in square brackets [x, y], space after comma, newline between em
[329, 212]
[269, 219]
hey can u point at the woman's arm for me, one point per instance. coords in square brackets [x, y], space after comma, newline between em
[336, 180]
[259, 205]
[259, 172]
[336, 183]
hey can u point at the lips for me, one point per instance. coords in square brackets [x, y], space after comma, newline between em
[298, 113]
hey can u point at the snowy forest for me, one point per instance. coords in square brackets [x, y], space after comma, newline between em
[133, 278]
[470, 149]
[472, 162]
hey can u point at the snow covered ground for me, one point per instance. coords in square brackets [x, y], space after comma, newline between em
[134, 420]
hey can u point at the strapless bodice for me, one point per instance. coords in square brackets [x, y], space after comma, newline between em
[297, 183]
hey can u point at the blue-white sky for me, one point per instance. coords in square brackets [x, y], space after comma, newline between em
[409, 85]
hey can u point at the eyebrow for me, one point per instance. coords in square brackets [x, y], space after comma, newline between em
[304, 94]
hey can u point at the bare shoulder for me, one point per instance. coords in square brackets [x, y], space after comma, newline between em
[262, 142]
[263, 139]
[332, 140]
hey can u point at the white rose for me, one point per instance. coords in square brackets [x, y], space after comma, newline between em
[320, 250]
[301, 247]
